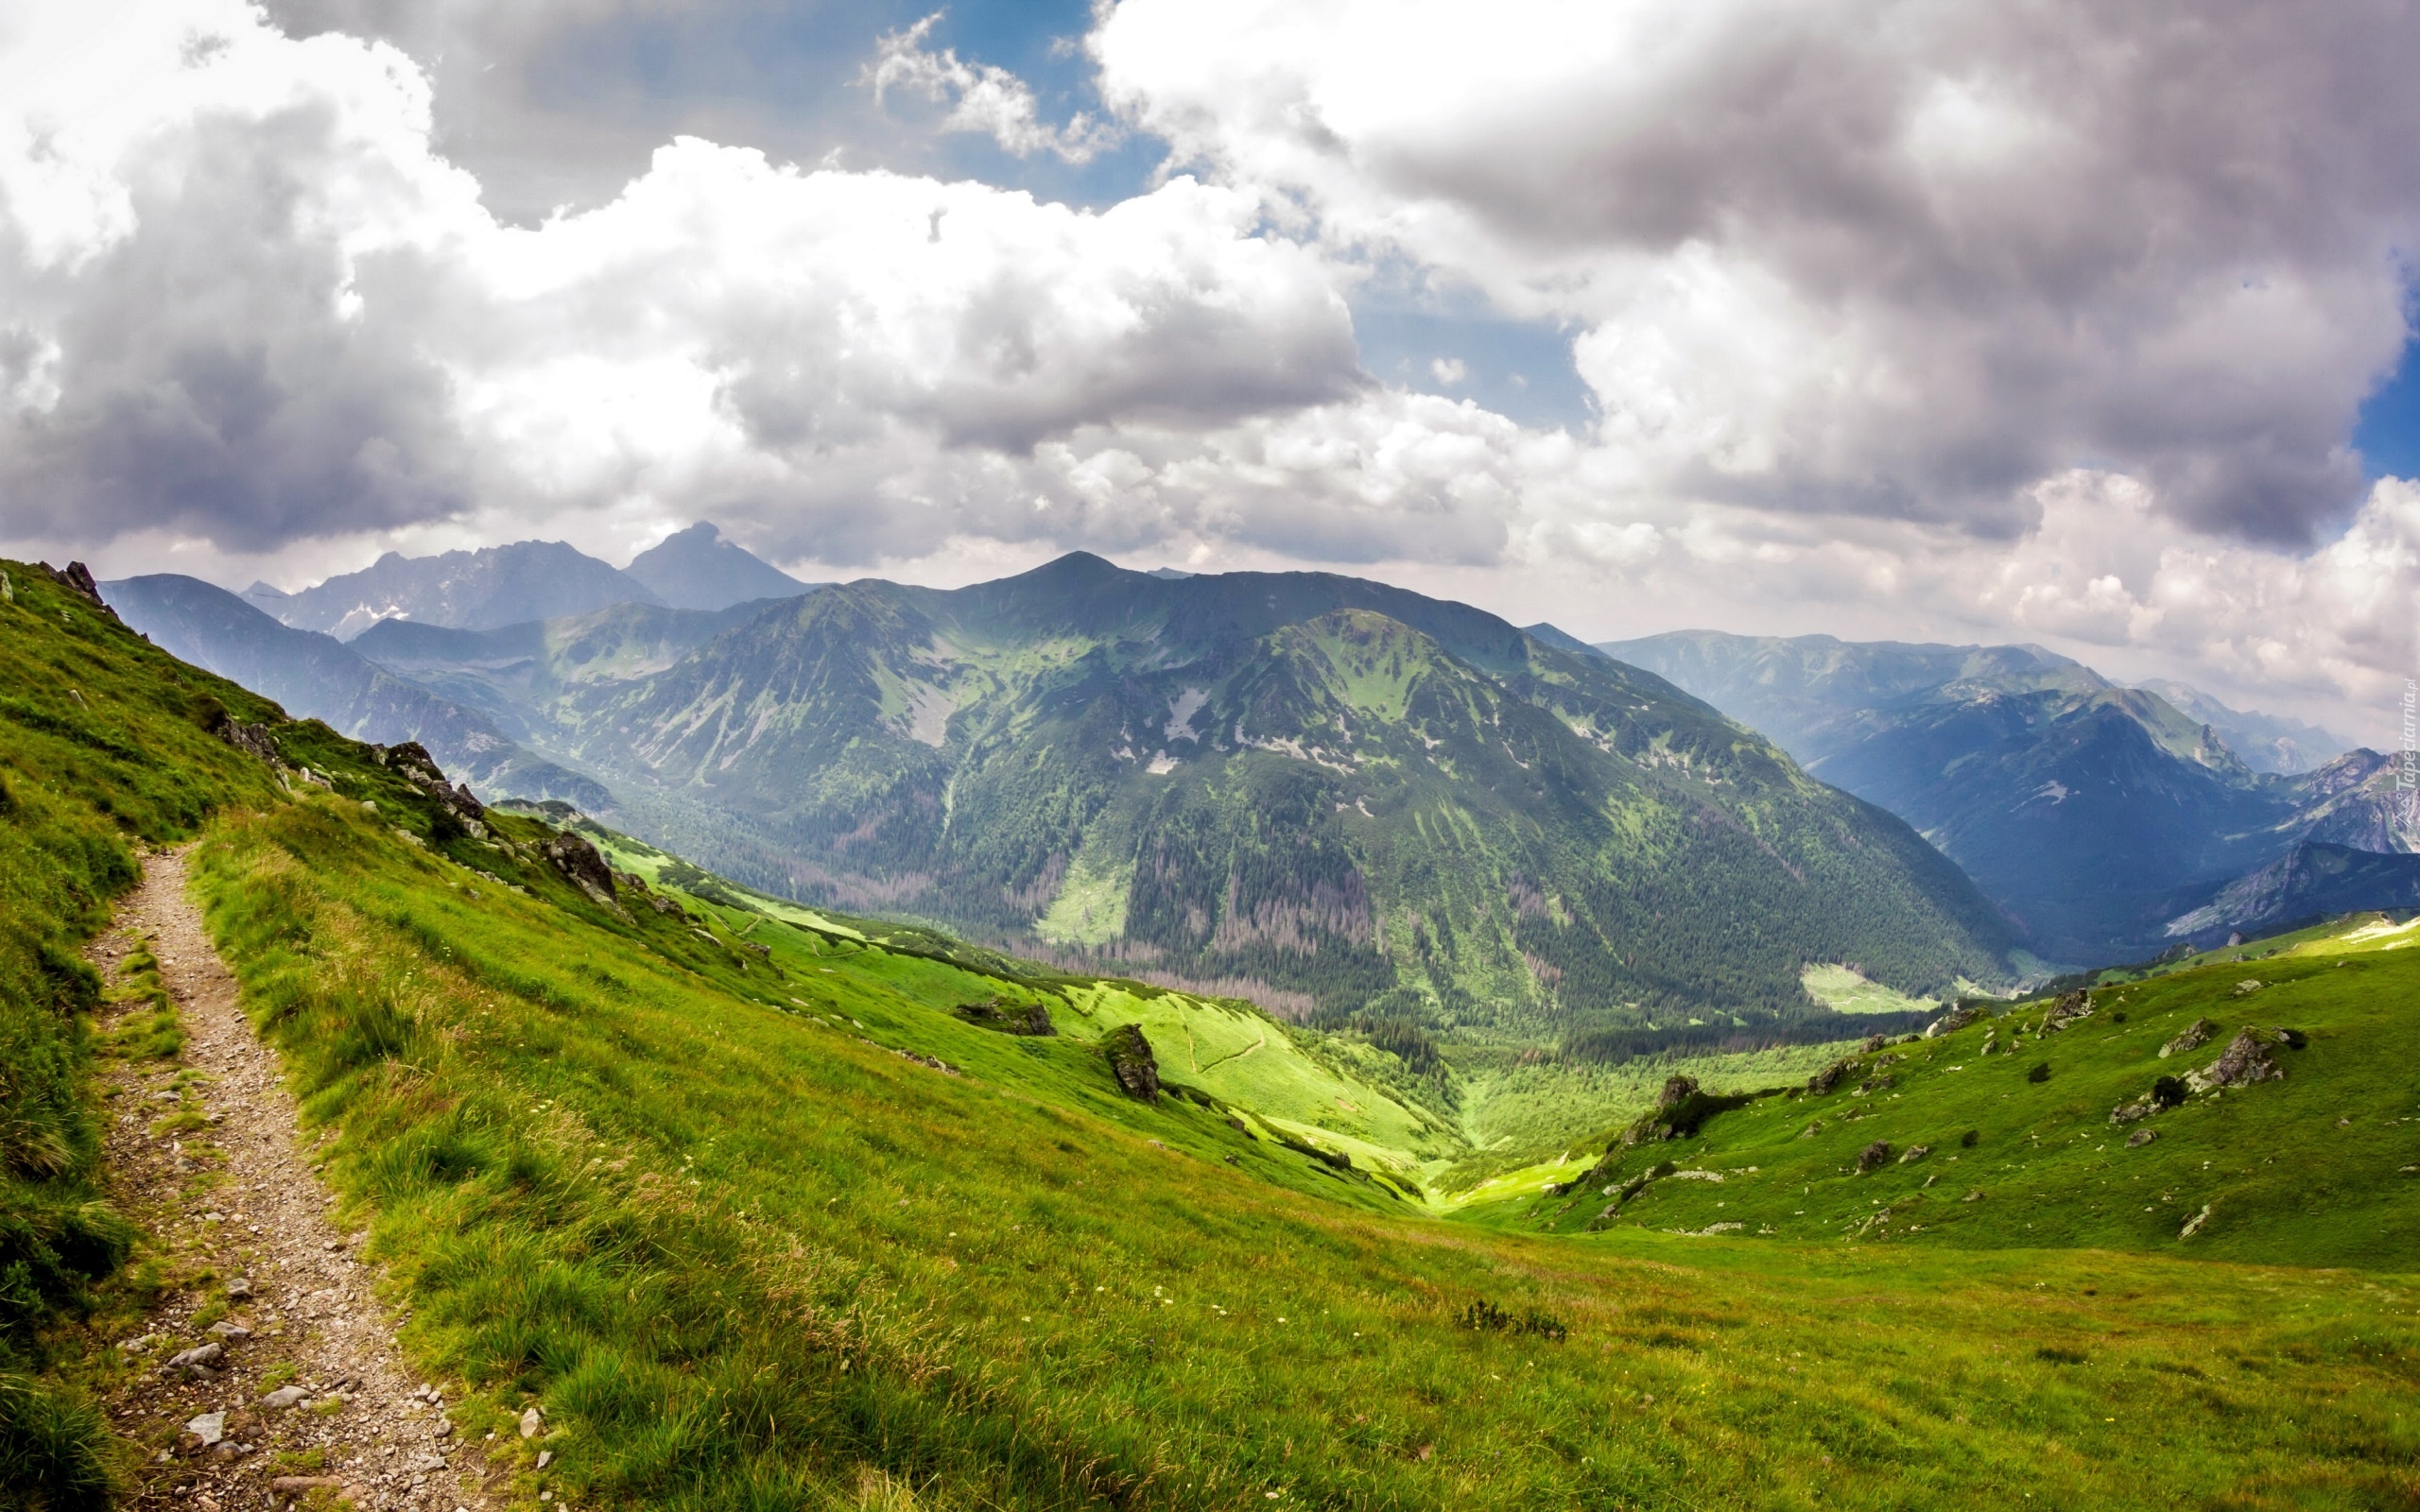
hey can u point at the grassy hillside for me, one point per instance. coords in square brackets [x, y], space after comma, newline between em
[746, 1257]
[103, 748]
[785, 1228]
[2000, 1135]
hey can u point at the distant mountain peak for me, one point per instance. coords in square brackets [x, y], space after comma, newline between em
[2078, 804]
[2267, 743]
[700, 568]
[1562, 640]
[466, 590]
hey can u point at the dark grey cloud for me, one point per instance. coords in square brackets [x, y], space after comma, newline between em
[205, 373]
[1906, 258]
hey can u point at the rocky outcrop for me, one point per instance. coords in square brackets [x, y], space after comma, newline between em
[1025, 1019]
[2194, 1036]
[2250, 1057]
[1681, 1109]
[252, 740]
[1131, 1062]
[1955, 1019]
[2066, 1010]
[581, 866]
[1874, 1156]
[78, 579]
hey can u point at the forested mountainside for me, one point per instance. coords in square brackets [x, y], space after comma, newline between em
[2084, 808]
[1345, 797]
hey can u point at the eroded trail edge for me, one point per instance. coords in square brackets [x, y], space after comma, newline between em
[266, 1374]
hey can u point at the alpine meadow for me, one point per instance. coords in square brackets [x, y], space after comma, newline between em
[1200, 755]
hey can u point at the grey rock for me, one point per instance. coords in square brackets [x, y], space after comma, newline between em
[2141, 1137]
[2066, 1010]
[531, 1421]
[253, 740]
[1873, 1157]
[198, 1357]
[1955, 1019]
[2249, 1057]
[1915, 1152]
[238, 1289]
[230, 1332]
[580, 865]
[285, 1397]
[210, 1427]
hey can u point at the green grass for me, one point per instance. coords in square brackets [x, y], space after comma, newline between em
[102, 749]
[1089, 908]
[2316, 1169]
[747, 1258]
[1845, 989]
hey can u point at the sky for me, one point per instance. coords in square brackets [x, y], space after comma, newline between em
[2077, 324]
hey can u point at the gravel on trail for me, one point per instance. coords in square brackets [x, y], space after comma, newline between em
[305, 1391]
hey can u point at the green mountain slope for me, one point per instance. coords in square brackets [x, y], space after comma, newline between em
[2000, 1134]
[1334, 796]
[786, 1228]
[2095, 814]
[320, 678]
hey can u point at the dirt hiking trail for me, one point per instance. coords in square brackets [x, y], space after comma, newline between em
[266, 1375]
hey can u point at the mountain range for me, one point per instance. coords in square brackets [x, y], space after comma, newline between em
[326, 680]
[2084, 808]
[1342, 797]
[527, 580]
[1338, 797]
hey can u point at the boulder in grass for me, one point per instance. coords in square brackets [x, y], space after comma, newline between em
[2250, 1057]
[1131, 1062]
[1874, 1156]
[1955, 1019]
[582, 866]
[2066, 1010]
[2194, 1036]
